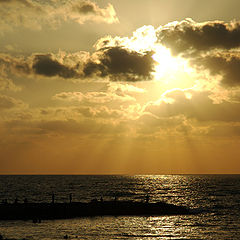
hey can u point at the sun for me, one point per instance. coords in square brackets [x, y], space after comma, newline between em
[171, 71]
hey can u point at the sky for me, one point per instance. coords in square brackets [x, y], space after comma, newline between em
[119, 87]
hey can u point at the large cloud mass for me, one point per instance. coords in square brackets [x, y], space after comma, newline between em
[212, 45]
[189, 36]
[115, 63]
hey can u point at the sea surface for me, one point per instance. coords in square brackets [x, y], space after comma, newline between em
[216, 198]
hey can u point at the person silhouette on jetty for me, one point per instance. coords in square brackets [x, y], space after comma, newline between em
[70, 198]
[53, 198]
[147, 198]
[16, 200]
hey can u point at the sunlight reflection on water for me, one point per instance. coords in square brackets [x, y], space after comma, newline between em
[217, 196]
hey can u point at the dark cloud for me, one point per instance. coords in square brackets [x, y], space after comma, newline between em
[45, 65]
[85, 7]
[116, 63]
[227, 65]
[201, 41]
[92, 68]
[188, 36]
[48, 65]
[121, 64]
[119, 60]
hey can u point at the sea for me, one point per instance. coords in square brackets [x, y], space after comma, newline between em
[215, 199]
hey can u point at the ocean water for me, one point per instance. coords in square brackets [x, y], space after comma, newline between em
[216, 198]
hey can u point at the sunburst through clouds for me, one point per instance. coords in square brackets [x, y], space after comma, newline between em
[89, 87]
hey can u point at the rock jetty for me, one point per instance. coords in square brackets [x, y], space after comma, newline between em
[40, 211]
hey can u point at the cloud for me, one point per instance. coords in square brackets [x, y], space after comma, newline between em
[54, 128]
[121, 64]
[82, 11]
[69, 96]
[26, 3]
[101, 112]
[7, 84]
[10, 65]
[227, 65]
[224, 130]
[131, 59]
[26, 13]
[93, 97]
[32, 14]
[142, 40]
[199, 106]
[198, 42]
[189, 36]
[150, 124]
[115, 63]
[7, 102]
[124, 88]
[211, 45]
[46, 66]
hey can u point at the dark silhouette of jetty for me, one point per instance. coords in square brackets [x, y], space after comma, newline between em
[39, 211]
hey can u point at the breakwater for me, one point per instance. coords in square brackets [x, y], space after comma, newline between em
[39, 211]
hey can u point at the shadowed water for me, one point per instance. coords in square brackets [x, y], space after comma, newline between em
[215, 197]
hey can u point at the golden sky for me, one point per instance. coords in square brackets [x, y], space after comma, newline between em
[119, 87]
